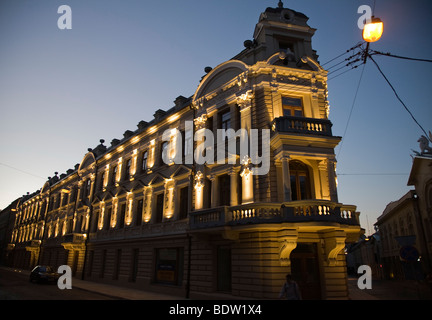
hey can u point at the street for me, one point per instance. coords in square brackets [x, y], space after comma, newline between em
[390, 290]
[15, 285]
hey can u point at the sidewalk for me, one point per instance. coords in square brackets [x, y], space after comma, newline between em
[118, 292]
[390, 290]
[381, 290]
[112, 291]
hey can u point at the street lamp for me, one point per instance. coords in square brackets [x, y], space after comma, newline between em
[373, 30]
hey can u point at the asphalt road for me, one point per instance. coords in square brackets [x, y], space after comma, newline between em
[16, 286]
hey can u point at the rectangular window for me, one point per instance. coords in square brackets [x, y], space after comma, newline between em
[107, 218]
[164, 152]
[224, 190]
[144, 161]
[139, 212]
[159, 207]
[122, 215]
[188, 143]
[114, 175]
[169, 266]
[101, 182]
[127, 169]
[225, 124]
[184, 201]
[292, 107]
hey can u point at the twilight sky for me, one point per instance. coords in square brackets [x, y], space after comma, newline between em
[63, 90]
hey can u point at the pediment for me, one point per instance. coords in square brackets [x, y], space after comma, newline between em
[219, 76]
[181, 170]
[88, 161]
[156, 179]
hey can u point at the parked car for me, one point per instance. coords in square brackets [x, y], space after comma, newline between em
[44, 274]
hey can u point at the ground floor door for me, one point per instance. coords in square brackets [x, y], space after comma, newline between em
[305, 270]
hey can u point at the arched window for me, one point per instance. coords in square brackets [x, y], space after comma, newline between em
[300, 181]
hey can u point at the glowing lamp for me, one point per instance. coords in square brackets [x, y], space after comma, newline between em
[373, 31]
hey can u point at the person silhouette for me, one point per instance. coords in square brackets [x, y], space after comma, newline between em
[290, 289]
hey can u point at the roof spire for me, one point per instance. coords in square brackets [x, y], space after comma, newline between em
[280, 4]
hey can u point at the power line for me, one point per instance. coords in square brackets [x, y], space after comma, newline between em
[397, 96]
[342, 54]
[352, 68]
[22, 171]
[352, 107]
[400, 57]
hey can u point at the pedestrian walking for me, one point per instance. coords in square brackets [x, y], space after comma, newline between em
[290, 289]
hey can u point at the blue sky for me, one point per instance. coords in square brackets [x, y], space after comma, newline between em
[63, 90]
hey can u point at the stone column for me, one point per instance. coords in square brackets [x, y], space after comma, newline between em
[324, 179]
[286, 178]
[233, 186]
[332, 180]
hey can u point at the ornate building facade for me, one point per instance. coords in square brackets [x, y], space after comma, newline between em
[141, 213]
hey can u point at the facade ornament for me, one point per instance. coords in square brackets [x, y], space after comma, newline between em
[199, 180]
[244, 100]
[200, 121]
[425, 150]
[242, 79]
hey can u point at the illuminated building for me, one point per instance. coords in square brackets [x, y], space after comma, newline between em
[125, 216]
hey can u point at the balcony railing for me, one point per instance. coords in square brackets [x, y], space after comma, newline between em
[303, 125]
[258, 213]
[74, 238]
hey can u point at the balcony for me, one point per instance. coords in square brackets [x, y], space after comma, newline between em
[302, 125]
[73, 241]
[74, 238]
[261, 213]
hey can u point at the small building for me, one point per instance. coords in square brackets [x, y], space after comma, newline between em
[7, 221]
[406, 227]
[366, 251]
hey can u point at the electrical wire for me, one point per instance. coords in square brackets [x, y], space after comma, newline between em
[397, 56]
[400, 100]
[352, 107]
[22, 171]
[342, 54]
[352, 68]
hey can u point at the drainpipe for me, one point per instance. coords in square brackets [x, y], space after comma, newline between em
[89, 224]
[191, 179]
[189, 265]
[44, 226]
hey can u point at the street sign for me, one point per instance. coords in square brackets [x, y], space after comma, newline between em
[409, 253]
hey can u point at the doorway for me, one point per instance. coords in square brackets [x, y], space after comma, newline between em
[305, 270]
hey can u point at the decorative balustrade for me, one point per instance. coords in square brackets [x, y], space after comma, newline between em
[303, 125]
[74, 238]
[255, 213]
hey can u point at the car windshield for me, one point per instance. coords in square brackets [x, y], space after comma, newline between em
[45, 269]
